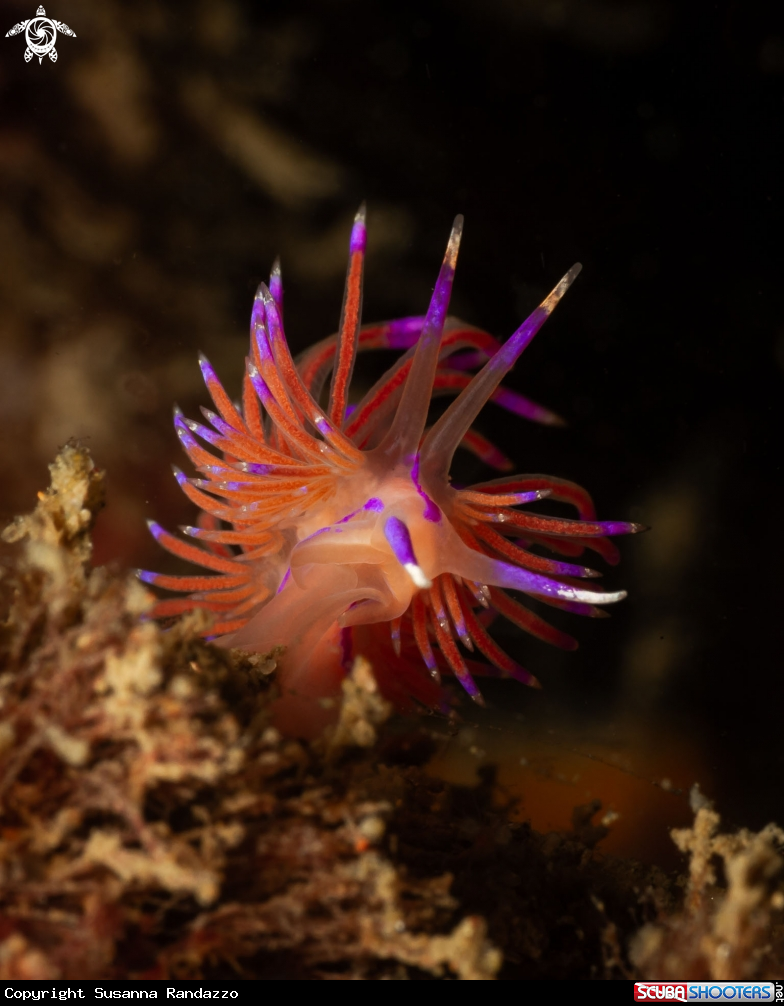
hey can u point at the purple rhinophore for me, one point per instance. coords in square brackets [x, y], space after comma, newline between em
[431, 511]
[399, 538]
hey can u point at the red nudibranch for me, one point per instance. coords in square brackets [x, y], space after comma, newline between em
[333, 530]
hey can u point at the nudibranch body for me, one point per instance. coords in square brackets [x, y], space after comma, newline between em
[334, 530]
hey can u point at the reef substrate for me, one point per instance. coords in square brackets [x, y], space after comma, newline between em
[153, 824]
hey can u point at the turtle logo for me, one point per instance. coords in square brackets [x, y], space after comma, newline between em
[40, 33]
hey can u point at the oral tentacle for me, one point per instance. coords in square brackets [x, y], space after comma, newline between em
[468, 564]
[442, 441]
[399, 538]
[408, 425]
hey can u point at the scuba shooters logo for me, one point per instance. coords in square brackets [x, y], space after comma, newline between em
[40, 35]
[648, 992]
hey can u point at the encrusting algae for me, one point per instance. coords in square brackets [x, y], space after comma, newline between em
[730, 931]
[141, 784]
[154, 824]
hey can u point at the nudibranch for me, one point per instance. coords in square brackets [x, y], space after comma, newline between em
[332, 530]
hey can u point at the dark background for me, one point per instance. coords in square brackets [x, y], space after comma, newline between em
[151, 174]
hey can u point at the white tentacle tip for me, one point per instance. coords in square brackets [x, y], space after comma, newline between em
[454, 241]
[417, 574]
[551, 300]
